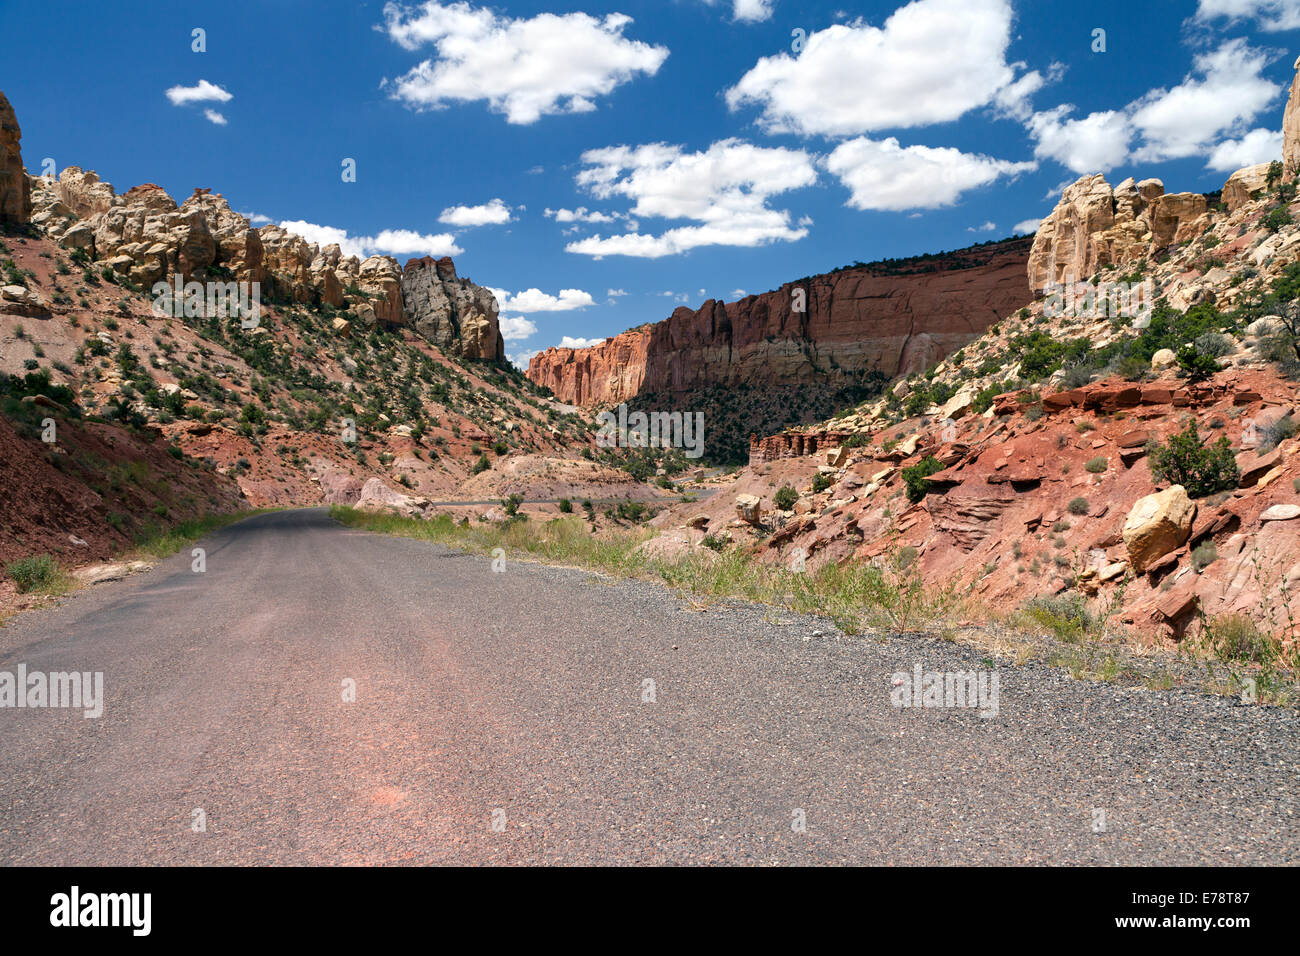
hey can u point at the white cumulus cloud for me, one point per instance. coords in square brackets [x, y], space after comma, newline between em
[492, 213]
[535, 300]
[523, 68]
[204, 92]
[1257, 146]
[1271, 15]
[1092, 144]
[520, 360]
[394, 242]
[1028, 225]
[723, 191]
[581, 214]
[1216, 102]
[514, 328]
[214, 117]
[932, 61]
[753, 11]
[1187, 119]
[569, 342]
[749, 11]
[883, 175]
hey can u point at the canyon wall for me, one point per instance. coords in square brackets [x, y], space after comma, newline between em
[15, 195]
[895, 317]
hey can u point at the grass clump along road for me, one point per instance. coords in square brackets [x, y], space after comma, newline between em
[856, 598]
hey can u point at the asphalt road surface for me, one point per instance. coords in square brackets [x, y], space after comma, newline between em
[505, 718]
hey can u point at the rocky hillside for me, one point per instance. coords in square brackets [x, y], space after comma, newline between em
[1129, 469]
[144, 237]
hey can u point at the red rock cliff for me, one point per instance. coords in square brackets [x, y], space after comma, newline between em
[897, 317]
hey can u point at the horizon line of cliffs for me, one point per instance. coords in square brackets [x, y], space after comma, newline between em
[851, 321]
[145, 236]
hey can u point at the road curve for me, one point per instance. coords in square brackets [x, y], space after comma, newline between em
[518, 698]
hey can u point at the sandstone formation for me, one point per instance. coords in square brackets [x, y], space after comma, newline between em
[895, 320]
[1244, 185]
[1094, 226]
[1157, 525]
[15, 196]
[792, 444]
[451, 312]
[1291, 128]
[146, 237]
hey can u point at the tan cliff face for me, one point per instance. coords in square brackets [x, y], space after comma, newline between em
[1291, 128]
[1094, 226]
[15, 196]
[897, 319]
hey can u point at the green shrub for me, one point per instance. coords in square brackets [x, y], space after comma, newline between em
[915, 477]
[1197, 365]
[1204, 555]
[1201, 470]
[566, 506]
[1097, 465]
[1235, 637]
[1276, 219]
[1274, 433]
[1065, 615]
[482, 464]
[820, 482]
[38, 571]
[1214, 344]
[1079, 506]
[785, 498]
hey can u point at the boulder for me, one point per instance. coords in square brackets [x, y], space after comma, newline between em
[1157, 525]
[1253, 466]
[837, 456]
[377, 496]
[1243, 186]
[1281, 513]
[748, 508]
[1163, 359]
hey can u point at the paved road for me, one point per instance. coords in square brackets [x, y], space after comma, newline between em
[521, 692]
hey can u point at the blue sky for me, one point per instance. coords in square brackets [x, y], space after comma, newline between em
[602, 163]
